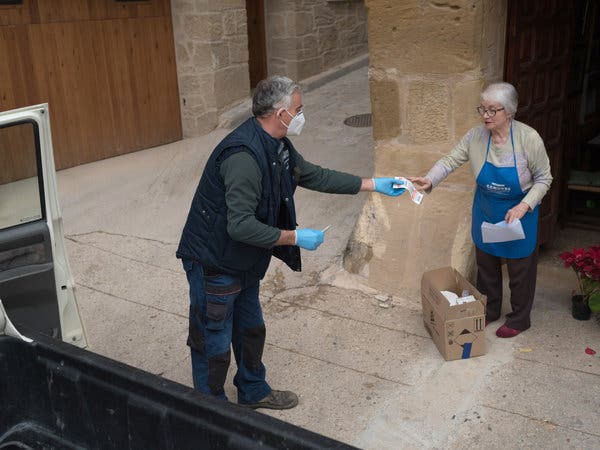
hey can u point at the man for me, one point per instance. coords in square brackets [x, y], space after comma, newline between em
[241, 214]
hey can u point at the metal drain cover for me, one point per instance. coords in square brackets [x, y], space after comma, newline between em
[359, 120]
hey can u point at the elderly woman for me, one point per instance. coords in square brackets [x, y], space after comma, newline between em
[512, 172]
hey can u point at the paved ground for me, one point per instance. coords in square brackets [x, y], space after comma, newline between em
[366, 374]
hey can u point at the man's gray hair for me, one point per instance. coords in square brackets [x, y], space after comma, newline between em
[503, 93]
[273, 93]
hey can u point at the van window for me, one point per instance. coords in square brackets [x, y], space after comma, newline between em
[21, 192]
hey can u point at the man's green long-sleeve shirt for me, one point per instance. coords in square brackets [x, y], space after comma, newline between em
[243, 188]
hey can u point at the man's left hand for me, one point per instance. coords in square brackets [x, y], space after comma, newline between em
[386, 186]
[517, 212]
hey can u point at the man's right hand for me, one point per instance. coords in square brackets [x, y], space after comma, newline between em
[309, 238]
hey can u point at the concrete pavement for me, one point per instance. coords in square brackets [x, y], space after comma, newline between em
[365, 369]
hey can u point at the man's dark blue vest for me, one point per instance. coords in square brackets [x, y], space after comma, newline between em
[205, 238]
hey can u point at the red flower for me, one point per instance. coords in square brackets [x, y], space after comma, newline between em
[586, 264]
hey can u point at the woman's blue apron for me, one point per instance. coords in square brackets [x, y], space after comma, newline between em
[498, 190]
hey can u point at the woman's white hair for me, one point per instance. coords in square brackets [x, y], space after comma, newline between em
[503, 93]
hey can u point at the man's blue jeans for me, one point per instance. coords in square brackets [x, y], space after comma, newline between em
[224, 314]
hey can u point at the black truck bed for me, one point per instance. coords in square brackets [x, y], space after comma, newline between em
[56, 396]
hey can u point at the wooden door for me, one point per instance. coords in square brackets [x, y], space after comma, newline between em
[257, 50]
[106, 69]
[537, 64]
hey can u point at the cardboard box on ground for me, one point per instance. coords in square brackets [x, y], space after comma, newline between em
[459, 330]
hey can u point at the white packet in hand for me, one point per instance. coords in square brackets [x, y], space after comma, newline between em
[415, 195]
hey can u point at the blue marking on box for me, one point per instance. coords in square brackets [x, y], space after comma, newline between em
[466, 350]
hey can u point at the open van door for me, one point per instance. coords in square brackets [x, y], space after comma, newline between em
[36, 284]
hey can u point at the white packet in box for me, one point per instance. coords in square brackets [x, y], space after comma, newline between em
[450, 296]
[463, 300]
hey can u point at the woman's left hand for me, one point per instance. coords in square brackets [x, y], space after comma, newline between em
[517, 212]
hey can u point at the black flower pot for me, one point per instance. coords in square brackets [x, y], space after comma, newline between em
[579, 308]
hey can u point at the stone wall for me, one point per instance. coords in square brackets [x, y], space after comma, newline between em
[211, 47]
[429, 61]
[307, 37]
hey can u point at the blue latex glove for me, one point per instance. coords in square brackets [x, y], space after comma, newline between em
[309, 238]
[384, 186]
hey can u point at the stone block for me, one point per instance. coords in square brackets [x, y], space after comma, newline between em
[235, 22]
[182, 55]
[465, 97]
[385, 106]
[188, 127]
[332, 58]
[323, 15]
[200, 6]
[290, 69]
[276, 25]
[229, 23]
[361, 12]
[221, 5]
[493, 39]
[231, 84]
[202, 57]
[340, 8]
[357, 50]
[346, 21]
[192, 85]
[310, 41]
[307, 53]
[179, 7]
[309, 47]
[277, 67]
[195, 105]
[203, 27]
[307, 4]
[281, 6]
[427, 112]
[405, 31]
[238, 49]
[309, 67]
[300, 24]
[285, 47]
[353, 36]
[241, 21]
[219, 54]
[328, 38]
[199, 126]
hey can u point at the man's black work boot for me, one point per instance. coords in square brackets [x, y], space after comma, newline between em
[275, 400]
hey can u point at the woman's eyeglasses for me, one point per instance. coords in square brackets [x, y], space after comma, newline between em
[490, 112]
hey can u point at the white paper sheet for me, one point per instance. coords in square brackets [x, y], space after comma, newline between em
[454, 299]
[502, 231]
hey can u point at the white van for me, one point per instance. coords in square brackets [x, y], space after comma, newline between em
[36, 284]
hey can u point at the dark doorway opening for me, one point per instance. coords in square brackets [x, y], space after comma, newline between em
[257, 50]
[581, 187]
[553, 59]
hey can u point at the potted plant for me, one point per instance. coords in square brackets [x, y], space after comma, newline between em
[586, 264]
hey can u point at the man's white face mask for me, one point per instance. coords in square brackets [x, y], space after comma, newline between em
[296, 124]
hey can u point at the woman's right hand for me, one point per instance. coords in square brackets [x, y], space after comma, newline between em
[421, 183]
